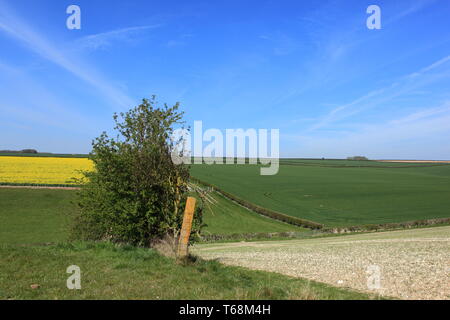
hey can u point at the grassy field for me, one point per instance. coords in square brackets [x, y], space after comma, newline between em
[42, 215]
[34, 215]
[340, 196]
[31, 217]
[413, 264]
[125, 272]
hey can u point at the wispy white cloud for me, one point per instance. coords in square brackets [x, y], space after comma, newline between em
[333, 44]
[174, 43]
[24, 33]
[417, 135]
[182, 40]
[431, 67]
[39, 102]
[414, 8]
[106, 39]
[281, 42]
[423, 114]
[405, 85]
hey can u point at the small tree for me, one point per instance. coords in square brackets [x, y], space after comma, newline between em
[359, 158]
[136, 193]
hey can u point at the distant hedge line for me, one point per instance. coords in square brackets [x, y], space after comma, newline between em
[258, 236]
[264, 211]
[13, 184]
[322, 232]
[389, 226]
[19, 151]
[362, 166]
[42, 155]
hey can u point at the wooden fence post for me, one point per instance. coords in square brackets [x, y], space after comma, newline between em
[183, 241]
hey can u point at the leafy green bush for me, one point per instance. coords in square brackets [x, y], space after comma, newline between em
[136, 193]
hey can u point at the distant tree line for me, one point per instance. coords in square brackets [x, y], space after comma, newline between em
[21, 151]
[357, 158]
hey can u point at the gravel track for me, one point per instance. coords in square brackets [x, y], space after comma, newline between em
[413, 264]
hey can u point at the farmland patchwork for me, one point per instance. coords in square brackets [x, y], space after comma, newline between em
[335, 193]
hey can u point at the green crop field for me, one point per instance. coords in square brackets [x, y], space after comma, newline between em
[338, 193]
[226, 217]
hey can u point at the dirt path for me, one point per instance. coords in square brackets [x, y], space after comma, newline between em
[413, 264]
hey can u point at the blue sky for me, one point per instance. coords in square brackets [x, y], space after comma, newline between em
[313, 69]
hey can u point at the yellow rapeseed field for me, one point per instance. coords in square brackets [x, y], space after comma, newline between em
[42, 170]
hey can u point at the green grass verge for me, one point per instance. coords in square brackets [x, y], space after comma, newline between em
[17, 184]
[339, 196]
[124, 272]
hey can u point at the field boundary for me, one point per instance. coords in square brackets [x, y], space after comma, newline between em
[389, 226]
[322, 233]
[427, 165]
[44, 155]
[37, 185]
[260, 236]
